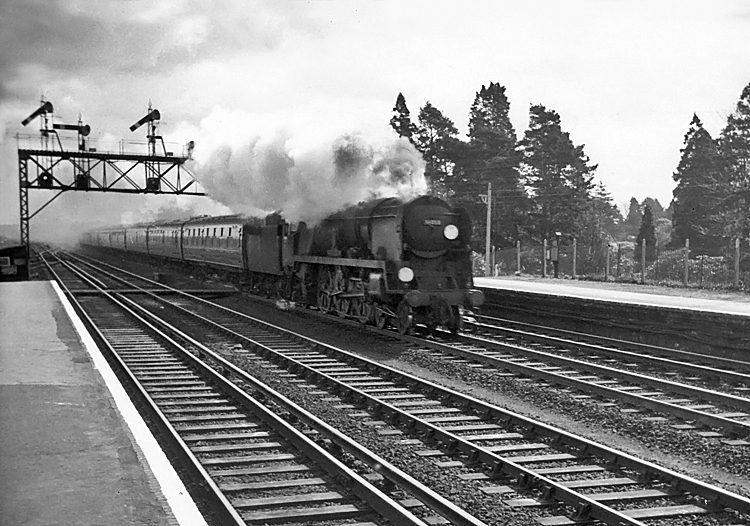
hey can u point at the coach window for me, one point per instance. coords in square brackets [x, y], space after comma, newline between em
[221, 232]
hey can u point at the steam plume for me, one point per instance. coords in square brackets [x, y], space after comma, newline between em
[264, 176]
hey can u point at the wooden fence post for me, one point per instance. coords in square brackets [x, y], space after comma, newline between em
[619, 259]
[737, 263]
[643, 260]
[575, 256]
[544, 259]
[518, 255]
[606, 265]
[687, 260]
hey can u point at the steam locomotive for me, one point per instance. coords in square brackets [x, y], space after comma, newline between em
[380, 262]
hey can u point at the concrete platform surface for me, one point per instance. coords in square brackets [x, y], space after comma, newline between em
[598, 293]
[66, 454]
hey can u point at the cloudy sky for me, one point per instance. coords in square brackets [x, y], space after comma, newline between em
[625, 76]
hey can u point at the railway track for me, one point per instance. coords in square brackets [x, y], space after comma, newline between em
[524, 463]
[706, 399]
[257, 468]
[705, 407]
[713, 370]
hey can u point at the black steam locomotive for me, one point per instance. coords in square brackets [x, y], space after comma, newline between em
[380, 262]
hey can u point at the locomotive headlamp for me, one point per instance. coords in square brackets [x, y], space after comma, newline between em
[405, 274]
[450, 232]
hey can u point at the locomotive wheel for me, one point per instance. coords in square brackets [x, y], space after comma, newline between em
[324, 298]
[456, 322]
[366, 311]
[342, 306]
[324, 302]
[405, 318]
[380, 318]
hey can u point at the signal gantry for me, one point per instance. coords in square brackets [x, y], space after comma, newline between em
[55, 165]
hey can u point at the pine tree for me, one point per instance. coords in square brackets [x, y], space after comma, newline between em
[735, 139]
[734, 152]
[646, 231]
[491, 156]
[401, 122]
[695, 197]
[634, 217]
[602, 222]
[656, 209]
[557, 174]
[437, 139]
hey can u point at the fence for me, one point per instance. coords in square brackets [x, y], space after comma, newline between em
[624, 261]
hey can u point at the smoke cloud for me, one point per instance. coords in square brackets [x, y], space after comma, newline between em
[264, 176]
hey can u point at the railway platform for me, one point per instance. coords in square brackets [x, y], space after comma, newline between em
[595, 291]
[73, 449]
[695, 320]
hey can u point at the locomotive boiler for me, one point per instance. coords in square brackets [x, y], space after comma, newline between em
[392, 261]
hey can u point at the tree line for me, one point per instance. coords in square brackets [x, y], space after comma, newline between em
[543, 183]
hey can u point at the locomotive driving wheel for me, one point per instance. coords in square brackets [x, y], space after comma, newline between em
[380, 318]
[405, 318]
[361, 310]
[325, 302]
[366, 311]
[342, 306]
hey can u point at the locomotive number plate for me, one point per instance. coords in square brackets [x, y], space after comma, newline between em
[432, 222]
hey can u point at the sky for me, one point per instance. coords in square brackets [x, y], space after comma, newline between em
[283, 84]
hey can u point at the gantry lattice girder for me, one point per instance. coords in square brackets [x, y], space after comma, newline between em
[23, 200]
[92, 171]
[108, 172]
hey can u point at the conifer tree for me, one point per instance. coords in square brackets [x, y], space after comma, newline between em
[602, 221]
[401, 122]
[734, 152]
[634, 217]
[735, 139]
[491, 156]
[436, 138]
[557, 174]
[695, 197]
[656, 209]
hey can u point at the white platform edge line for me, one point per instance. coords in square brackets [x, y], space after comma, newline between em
[183, 507]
